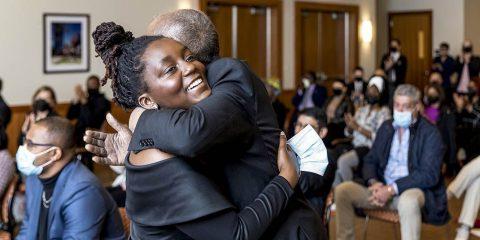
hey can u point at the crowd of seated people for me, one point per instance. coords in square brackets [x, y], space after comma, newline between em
[390, 146]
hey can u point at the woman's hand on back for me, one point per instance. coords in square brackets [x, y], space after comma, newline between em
[286, 165]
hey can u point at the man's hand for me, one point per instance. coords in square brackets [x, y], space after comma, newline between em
[382, 195]
[109, 148]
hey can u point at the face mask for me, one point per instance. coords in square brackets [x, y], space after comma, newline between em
[25, 161]
[402, 119]
[359, 79]
[393, 49]
[467, 49]
[429, 100]
[306, 82]
[372, 100]
[92, 92]
[337, 92]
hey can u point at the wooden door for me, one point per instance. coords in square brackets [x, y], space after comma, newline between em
[249, 30]
[414, 30]
[326, 39]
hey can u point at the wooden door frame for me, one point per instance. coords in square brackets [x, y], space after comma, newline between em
[299, 7]
[277, 4]
[430, 16]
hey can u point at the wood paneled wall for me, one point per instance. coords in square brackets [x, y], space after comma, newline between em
[19, 113]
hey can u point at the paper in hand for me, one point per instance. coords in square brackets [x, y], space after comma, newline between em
[310, 150]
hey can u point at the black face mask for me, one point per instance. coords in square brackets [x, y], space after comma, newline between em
[359, 79]
[431, 99]
[337, 92]
[393, 49]
[93, 92]
[467, 49]
[373, 100]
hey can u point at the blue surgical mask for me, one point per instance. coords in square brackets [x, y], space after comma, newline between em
[402, 119]
[25, 161]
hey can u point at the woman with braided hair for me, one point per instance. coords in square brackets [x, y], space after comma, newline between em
[170, 197]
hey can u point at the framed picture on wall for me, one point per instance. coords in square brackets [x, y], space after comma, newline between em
[66, 43]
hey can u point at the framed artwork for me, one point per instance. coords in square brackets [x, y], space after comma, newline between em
[66, 43]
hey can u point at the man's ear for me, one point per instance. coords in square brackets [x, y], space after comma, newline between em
[56, 154]
[323, 132]
[145, 101]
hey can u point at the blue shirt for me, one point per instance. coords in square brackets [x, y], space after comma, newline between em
[397, 166]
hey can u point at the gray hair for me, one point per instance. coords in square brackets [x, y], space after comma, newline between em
[409, 91]
[191, 28]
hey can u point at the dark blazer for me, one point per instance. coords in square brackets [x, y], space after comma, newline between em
[473, 67]
[448, 68]
[318, 97]
[345, 106]
[5, 113]
[400, 68]
[90, 115]
[234, 129]
[446, 125]
[425, 155]
[80, 209]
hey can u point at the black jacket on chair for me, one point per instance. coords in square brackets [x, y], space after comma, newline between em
[235, 132]
[425, 155]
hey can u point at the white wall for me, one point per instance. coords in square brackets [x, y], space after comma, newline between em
[21, 43]
[447, 20]
[367, 51]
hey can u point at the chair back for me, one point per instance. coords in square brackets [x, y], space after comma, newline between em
[125, 221]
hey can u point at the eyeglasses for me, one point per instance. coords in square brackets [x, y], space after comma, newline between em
[302, 126]
[29, 143]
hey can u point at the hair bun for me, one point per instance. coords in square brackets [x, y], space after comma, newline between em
[107, 37]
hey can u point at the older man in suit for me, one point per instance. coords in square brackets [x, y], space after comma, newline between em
[403, 172]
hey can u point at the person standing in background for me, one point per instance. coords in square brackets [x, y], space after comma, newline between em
[89, 109]
[444, 64]
[394, 64]
[467, 68]
[357, 87]
[5, 111]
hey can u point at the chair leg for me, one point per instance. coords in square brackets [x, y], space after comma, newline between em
[365, 227]
[395, 231]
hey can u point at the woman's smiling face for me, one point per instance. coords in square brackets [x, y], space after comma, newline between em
[174, 78]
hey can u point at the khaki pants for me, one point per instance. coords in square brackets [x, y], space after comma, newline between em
[350, 195]
[468, 180]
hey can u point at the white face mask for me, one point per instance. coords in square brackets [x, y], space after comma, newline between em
[306, 82]
[402, 119]
[25, 160]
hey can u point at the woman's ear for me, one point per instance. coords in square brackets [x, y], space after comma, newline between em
[145, 101]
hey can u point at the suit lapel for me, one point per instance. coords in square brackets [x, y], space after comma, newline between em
[58, 192]
[35, 210]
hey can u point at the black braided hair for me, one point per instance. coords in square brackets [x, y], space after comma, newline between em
[121, 53]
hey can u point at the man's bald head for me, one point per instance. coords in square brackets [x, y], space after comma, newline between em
[190, 27]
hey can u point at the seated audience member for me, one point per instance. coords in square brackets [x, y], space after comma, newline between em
[273, 89]
[310, 93]
[5, 111]
[468, 122]
[44, 103]
[439, 114]
[89, 108]
[468, 181]
[363, 127]
[64, 199]
[402, 170]
[357, 87]
[336, 107]
[7, 162]
[316, 187]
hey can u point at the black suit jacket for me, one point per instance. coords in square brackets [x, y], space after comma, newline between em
[425, 155]
[473, 68]
[400, 67]
[236, 132]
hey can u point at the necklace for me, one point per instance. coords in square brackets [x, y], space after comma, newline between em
[45, 202]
